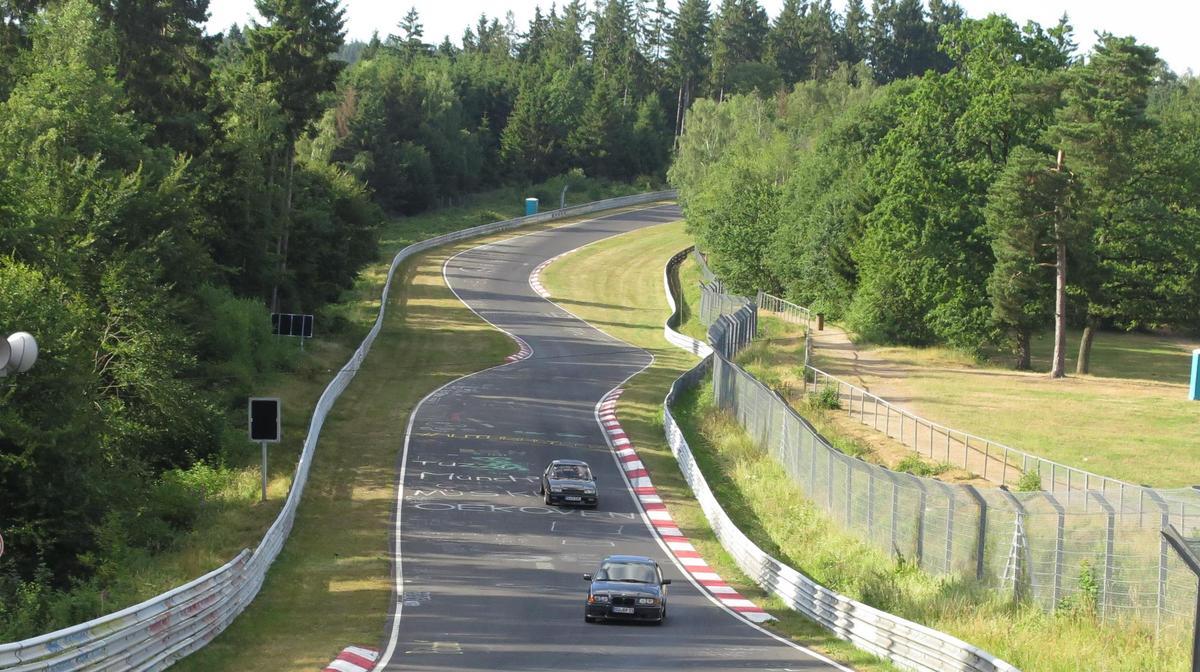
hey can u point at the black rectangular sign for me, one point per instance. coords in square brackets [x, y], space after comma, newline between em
[292, 324]
[265, 420]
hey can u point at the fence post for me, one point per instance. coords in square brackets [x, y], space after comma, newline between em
[812, 464]
[870, 506]
[1020, 544]
[1189, 558]
[829, 482]
[981, 540]
[1109, 540]
[849, 494]
[920, 522]
[1164, 521]
[950, 510]
[1059, 543]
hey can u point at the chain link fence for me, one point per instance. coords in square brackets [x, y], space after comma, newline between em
[1099, 546]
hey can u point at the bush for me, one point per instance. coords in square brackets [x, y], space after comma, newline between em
[1030, 481]
[235, 341]
[826, 398]
[913, 464]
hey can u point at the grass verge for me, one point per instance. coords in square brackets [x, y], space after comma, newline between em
[630, 306]
[771, 509]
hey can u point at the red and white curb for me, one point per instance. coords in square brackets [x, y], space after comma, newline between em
[661, 520]
[523, 351]
[535, 278]
[354, 659]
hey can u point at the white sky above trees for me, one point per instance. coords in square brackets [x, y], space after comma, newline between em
[1166, 24]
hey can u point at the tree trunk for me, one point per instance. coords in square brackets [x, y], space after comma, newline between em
[1084, 363]
[270, 224]
[678, 114]
[1058, 366]
[1023, 358]
[281, 243]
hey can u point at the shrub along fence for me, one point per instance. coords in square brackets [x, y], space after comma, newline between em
[156, 633]
[1100, 546]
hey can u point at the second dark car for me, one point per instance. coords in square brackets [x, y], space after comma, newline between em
[569, 482]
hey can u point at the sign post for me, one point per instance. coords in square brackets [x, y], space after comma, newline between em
[1194, 395]
[266, 422]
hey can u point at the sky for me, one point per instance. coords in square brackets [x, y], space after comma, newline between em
[1168, 25]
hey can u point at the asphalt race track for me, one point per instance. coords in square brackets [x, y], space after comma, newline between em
[492, 577]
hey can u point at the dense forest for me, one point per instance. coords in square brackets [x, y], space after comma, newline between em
[935, 209]
[163, 190]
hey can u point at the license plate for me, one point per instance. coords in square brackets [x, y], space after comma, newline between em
[622, 610]
[574, 499]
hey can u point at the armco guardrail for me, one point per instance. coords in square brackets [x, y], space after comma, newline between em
[156, 633]
[670, 284]
[908, 645]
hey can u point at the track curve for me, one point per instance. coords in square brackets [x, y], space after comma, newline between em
[487, 577]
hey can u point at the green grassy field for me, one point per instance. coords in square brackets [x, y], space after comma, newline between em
[772, 510]
[1130, 420]
[631, 306]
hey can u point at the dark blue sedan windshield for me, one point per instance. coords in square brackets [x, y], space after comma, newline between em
[634, 572]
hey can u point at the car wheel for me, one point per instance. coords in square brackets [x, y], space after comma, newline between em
[546, 498]
[588, 619]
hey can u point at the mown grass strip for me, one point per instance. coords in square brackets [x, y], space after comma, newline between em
[616, 285]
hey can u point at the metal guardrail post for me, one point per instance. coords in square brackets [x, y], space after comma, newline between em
[871, 507]
[849, 494]
[1059, 543]
[1177, 542]
[1109, 544]
[920, 522]
[981, 536]
[1164, 522]
[950, 511]
[1021, 569]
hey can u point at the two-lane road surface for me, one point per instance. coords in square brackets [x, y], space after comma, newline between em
[488, 577]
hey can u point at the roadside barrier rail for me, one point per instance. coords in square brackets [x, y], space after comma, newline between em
[908, 645]
[160, 631]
